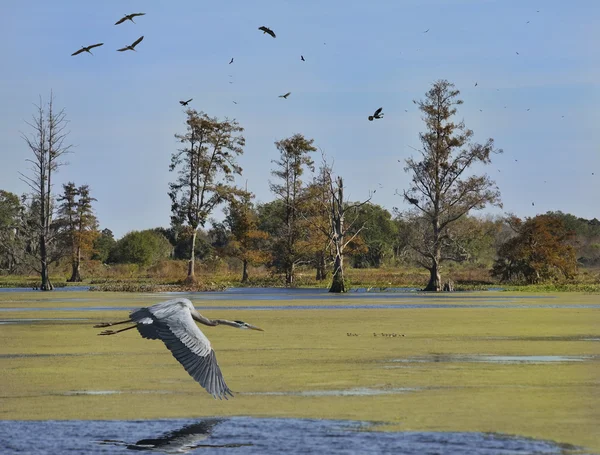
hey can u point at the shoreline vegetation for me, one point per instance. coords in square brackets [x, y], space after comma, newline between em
[164, 278]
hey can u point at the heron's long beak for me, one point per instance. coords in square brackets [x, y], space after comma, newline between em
[253, 327]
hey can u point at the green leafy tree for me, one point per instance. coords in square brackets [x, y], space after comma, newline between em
[102, 246]
[141, 247]
[378, 235]
[12, 242]
[441, 189]
[540, 251]
[294, 160]
[206, 166]
[246, 241]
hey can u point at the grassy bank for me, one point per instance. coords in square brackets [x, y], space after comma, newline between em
[423, 385]
[169, 275]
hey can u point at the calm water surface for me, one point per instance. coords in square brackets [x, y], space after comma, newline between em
[245, 435]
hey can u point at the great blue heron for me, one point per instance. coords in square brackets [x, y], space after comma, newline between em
[173, 323]
[286, 95]
[86, 49]
[378, 114]
[129, 17]
[231, 61]
[267, 30]
[185, 103]
[132, 46]
[302, 58]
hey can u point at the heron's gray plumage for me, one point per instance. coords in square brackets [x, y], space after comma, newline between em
[172, 322]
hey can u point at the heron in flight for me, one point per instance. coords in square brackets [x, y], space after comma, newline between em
[267, 30]
[378, 114]
[173, 323]
[132, 46]
[286, 95]
[185, 103]
[129, 17]
[86, 49]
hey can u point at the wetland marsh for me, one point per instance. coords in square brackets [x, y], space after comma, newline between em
[472, 363]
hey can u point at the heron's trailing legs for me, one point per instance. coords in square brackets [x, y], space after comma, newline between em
[114, 332]
[109, 324]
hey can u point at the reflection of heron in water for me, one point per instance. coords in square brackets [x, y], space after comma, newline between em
[182, 440]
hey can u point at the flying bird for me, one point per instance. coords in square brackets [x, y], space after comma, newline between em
[517, 53]
[231, 61]
[267, 30]
[426, 31]
[185, 103]
[129, 17]
[286, 95]
[172, 322]
[86, 49]
[235, 102]
[475, 84]
[132, 46]
[302, 58]
[378, 114]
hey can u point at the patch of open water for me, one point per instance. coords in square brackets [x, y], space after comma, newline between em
[247, 435]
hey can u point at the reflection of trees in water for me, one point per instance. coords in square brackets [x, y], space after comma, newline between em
[182, 440]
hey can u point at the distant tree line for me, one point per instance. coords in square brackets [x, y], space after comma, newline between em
[308, 224]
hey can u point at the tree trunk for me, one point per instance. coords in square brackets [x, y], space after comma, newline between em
[75, 266]
[321, 268]
[245, 271]
[337, 283]
[435, 281]
[191, 276]
[289, 275]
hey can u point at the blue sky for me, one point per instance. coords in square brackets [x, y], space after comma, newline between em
[123, 107]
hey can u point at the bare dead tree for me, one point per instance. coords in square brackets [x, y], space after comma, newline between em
[47, 143]
[338, 232]
[441, 190]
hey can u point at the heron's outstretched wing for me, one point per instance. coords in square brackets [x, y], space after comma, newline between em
[122, 49]
[377, 112]
[137, 41]
[95, 45]
[120, 21]
[137, 14]
[173, 324]
[78, 52]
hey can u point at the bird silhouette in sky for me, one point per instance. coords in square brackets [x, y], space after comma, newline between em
[131, 47]
[286, 95]
[426, 31]
[377, 115]
[302, 58]
[129, 17]
[231, 61]
[86, 49]
[267, 30]
[185, 103]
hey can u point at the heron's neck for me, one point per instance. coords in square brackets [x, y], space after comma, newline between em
[212, 322]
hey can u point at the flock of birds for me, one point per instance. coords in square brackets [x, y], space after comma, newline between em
[131, 47]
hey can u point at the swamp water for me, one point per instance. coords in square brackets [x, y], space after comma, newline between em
[445, 374]
[247, 435]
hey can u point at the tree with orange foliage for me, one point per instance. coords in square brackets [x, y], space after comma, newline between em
[247, 242]
[542, 250]
[79, 224]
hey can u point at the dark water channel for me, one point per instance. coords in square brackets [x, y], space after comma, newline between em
[245, 435]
